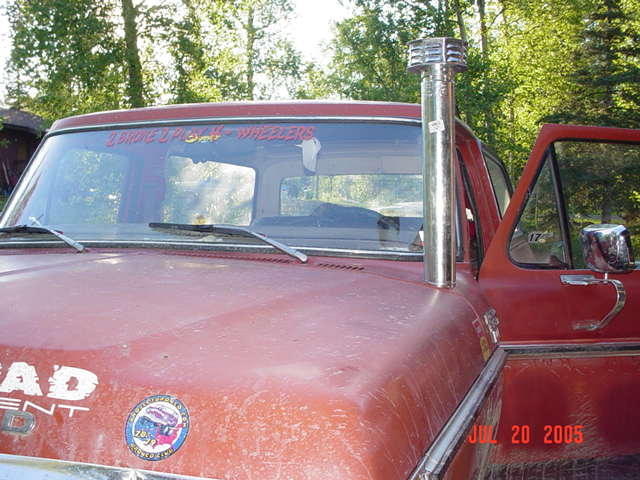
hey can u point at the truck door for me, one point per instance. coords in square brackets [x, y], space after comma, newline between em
[531, 275]
[571, 382]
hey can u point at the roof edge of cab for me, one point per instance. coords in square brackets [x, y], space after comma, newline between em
[243, 109]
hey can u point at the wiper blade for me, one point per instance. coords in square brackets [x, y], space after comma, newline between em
[231, 230]
[37, 227]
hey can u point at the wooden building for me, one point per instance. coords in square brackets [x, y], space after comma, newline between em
[19, 136]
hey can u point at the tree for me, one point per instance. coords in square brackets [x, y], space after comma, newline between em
[202, 63]
[531, 52]
[135, 87]
[370, 55]
[66, 57]
[561, 59]
[606, 69]
[232, 51]
[264, 50]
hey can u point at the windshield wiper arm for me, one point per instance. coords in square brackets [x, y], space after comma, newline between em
[231, 230]
[37, 227]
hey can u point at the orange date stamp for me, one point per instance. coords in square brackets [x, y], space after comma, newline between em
[521, 434]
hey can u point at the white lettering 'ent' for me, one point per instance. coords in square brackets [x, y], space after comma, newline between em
[21, 377]
[70, 383]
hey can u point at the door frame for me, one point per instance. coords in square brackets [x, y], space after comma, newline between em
[522, 292]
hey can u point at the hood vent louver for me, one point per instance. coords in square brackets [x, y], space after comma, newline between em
[340, 266]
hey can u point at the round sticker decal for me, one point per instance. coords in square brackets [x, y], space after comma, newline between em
[157, 427]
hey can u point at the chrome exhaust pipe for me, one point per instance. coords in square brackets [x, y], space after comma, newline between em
[438, 60]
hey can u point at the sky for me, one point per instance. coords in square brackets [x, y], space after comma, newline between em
[312, 26]
[309, 30]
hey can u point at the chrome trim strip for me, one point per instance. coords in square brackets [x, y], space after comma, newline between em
[380, 255]
[443, 448]
[572, 349]
[195, 121]
[33, 468]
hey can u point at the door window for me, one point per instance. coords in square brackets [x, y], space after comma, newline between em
[538, 239]
[499, 181]
[600, 184]
[581, 183]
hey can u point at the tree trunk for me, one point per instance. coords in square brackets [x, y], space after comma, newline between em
[606, 212]
[460, 19]
[484, 46]
[250, 28]
[483, 28]
[135, 86]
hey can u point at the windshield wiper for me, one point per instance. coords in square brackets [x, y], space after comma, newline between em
[37, 227]
[231, 230]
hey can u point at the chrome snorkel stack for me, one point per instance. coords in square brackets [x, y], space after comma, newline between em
[438, 60]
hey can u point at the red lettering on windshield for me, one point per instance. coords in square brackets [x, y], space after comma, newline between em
[165, 135]
[211, 134]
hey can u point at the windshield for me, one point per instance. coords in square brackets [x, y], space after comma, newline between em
[351, 186]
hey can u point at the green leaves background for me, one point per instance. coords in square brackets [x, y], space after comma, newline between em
[530, 61]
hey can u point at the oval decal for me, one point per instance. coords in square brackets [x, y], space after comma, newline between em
[157, 427]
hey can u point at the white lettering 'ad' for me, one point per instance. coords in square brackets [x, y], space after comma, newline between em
[59, 383]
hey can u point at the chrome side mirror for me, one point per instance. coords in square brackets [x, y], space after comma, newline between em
[607, 248]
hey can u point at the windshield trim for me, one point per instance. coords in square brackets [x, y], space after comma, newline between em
[218, 246]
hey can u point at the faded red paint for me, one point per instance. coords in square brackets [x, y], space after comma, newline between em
[286, 369]
[565, 395]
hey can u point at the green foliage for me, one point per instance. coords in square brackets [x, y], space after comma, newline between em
[92, 185]
[314, 83]
[529, 62]
[66, 57]
[77, 57]
[599, 182]
[574, 61]
[231, 51]
[369, 56]
[606, 67]
[531, 46]
[269, 58]
[194, 79]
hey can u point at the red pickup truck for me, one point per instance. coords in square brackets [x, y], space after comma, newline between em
[237, 291]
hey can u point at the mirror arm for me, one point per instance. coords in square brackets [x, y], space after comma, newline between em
[586, 280]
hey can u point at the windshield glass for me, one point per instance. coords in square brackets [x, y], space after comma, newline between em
[352, 186]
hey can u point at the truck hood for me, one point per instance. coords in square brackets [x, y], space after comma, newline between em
[287, 371]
